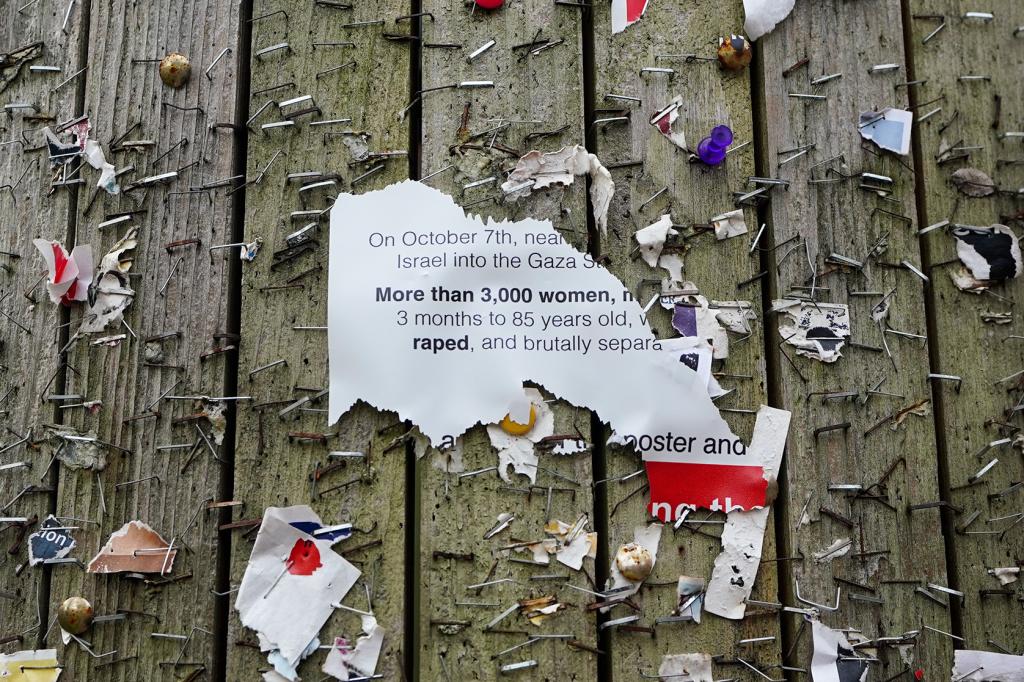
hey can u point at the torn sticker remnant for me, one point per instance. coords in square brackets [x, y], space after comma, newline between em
[992, 254]
[889, 129]
[729, 224]
[39, 665]
[664, 120]
[519, 451]
[651, 239]
[68, 275]
[626, 13]
[137, 548]
[817, 330]
[112, 293]
[53, 540]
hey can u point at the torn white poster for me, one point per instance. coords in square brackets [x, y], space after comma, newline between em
[831, 661]
[112, 290]
[664, 120]
[764, 15]
[732, 579]
[519, 451]
[292, 581]
[626, 13]
[634, 562]
[685, 668]
[536, 170]
[345, 661]
[651, 239]
[889, 129]
[986, 666]
[729, 224]
[991, 253]
[817, 330]
[462, 312]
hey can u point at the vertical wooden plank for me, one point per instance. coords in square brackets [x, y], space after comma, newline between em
[974, 113]
[272, 467]
[888, 551]
[533, 93]
[693, 193]
[28, 210]
[181, 291]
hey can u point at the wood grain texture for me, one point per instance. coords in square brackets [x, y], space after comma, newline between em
[181, 290]
[533, 93]
[272, 468]
[28, 359]
[695, 193]
[838, 217]
[964, 344]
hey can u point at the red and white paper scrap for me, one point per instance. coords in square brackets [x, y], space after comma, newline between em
[626, 13]
[68, 275]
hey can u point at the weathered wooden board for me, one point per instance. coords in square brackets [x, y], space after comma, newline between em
[370, 88]
[28, 357]
[974, 114]
[481, 133]
[691, 193]
[181, 291]
[894, 462]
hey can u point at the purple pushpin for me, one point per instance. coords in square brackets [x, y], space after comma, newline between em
[711, 149]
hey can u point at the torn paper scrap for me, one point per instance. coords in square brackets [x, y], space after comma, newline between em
[651, 239]
[986, 666]
[68, 275]
[839, 547]
[889, 129]
[634, 562]
[831, 660]
[94, 156]
[53, 540]
[30, 666]
[134, 548]
[732, 579]
[60, 153]
[764, 15]
[285, 670]
[992, 254]
[579, 330]
[519, 452]
[112, 291]
[537, 170]
[691, 597]
[685, 668]
[697, 318]
[626, 13]
[291, 583]
[11, 62]
[75, 449]
[345, 661]
[1007, 575]
[973, 182]
[817, 330]
[729, 224]
[664, 120]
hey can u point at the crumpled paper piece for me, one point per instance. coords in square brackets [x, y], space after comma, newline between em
[729, 224]
[520, 452]
[113, 292]
[685, 668]
[135, 548]
[817, 331]
[562, 168]
[764, 15]
[651, 239]
[361, 659]
[664, 120]
[75, 449]
[69, 275]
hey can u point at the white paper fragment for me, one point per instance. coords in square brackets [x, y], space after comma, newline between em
[520, 452]
[708, 322]
[94, 155]
[571, 555]
[691, 597]
[672, 263]
[112, 288]
[38, 665]
[817, 330]
[69, 275]
[830, 646]
[1006, 575]
[764, 15]
[986, 666]
[889, 129]
[285, 670]
[561, 168]
[729, 224]
[291, 582]
[448, 460]
[652, 239]
[344, 661]
[248, 251]
[601, 336]
[647, 537]
[569, 446]
[685, 668]
[664, 120]
[732, 579]
[839, 547]
[992, 254]
[626, 13]
[963, 281]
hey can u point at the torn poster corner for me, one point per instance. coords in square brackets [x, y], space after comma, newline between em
[685, 668]
[889, 129]
[537, 170]
[39, 665]
[112, 293]
[728, 225]
[816, 330]
[651, 239]
[764, 15]
[519, 451]
[834, 659]
[992, 254]
[345, 661]
[135, 548]
[625, 13]
[68, 275]
[53, 540]
[664, 120]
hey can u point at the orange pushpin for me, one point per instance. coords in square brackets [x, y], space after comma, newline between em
[514, 428]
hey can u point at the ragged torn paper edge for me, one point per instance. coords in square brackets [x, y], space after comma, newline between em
[732, 579]
[764, 15]
[797, 319]
[685, 668]
[519, 452]
[978, 666]
[360, 659]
